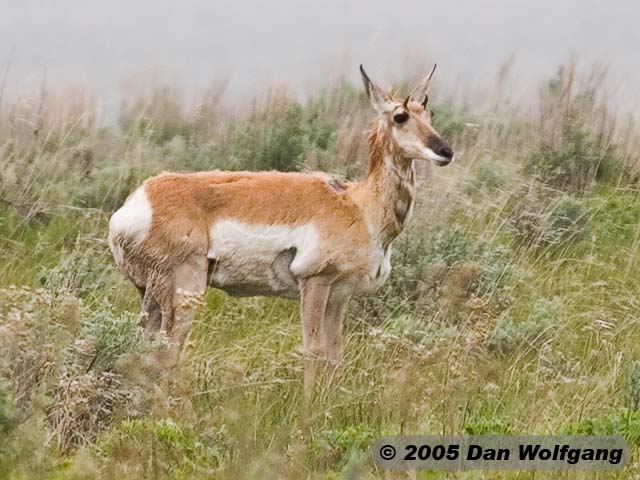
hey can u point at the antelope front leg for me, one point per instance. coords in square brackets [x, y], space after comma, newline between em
[332, 325]
[314, 293]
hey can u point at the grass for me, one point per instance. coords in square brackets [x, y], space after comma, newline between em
[512, 306]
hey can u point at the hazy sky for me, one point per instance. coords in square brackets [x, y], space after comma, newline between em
[301, 42]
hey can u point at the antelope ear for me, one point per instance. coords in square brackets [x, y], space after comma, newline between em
[377, 97]
[420, 91]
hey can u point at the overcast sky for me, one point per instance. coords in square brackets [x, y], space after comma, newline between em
[302, 42]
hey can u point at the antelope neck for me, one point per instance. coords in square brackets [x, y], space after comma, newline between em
[387, 194]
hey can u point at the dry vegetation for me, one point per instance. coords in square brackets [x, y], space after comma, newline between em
[512, 308]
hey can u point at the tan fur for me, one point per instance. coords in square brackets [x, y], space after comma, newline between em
[356, 223]
[186, 205]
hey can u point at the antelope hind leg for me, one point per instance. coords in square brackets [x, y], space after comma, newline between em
[190, 282]
[152, 314]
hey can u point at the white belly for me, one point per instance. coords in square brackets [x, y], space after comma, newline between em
[251, 259]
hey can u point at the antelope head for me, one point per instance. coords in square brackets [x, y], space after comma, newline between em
[409, 123]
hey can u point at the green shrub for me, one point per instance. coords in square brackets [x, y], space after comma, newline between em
[286, 143]
[488, 426]
[351, 438]
[23, 440]
[79, 272]
[282, 139]
[158, 118]
[487, 178]
[622, 422]
[54, 347]
[109, 187]
[35, 329]
[165, 448]
[104, 338]
[9, 414]
[548, 219]
[436, 271]
[337, 448]
[576, 160]
[449, 120]
[415, 253]
[507, 336]
[576, 148]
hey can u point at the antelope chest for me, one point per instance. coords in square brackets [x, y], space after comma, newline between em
[378, 271]
[247, 259]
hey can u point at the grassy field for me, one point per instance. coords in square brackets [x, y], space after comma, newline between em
[513, 306]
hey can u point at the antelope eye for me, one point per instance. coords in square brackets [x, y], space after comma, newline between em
[401, 118]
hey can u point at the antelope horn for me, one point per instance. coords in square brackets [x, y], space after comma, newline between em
[422, 88]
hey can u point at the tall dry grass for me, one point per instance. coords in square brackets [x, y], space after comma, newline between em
[511, 308]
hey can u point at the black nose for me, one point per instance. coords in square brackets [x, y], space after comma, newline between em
[446, 152]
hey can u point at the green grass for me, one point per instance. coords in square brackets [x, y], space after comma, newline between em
[512, 306]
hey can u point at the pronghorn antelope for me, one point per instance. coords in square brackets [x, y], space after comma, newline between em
[295, 235]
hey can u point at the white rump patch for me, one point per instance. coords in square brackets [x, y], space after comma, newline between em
[132, 221]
